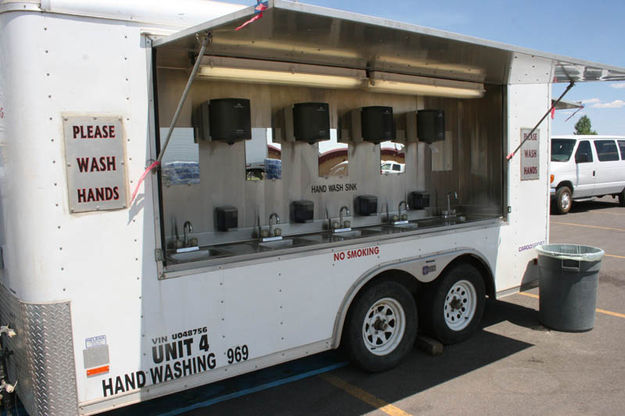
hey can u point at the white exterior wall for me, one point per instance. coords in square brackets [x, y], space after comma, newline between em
[527, 223]
[281, 308]
[97, 259]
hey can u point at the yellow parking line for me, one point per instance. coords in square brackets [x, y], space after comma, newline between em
[598, 227]
[615, 256]
[603, 311]
[618, 315]
[364, 396]
[529, 295]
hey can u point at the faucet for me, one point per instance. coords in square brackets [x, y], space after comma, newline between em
[345, 209]
[276, 218]
[330, 225]
[186, 229]
[405, 204]
[449, 195]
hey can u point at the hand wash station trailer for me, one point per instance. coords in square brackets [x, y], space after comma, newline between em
[323, 178]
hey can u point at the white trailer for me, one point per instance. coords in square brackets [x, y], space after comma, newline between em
[115, 301]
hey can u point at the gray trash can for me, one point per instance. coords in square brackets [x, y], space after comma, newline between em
[568, 280]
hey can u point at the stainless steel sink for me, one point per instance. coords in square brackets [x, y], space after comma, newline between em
[236, 249]
[440, 221]
[371, 231]
[196, 255]
[403, 226]
[430, 222]
[313, 239]
[276, 244]
[345, 235]
[458, 219]
[408, 226]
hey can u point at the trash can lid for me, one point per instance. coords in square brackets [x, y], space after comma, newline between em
[571, 252]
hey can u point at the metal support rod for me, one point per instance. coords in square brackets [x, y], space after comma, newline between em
[185, 93]
[568, 88]
[576, 111]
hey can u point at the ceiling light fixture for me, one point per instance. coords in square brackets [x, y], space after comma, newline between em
[280, 73]
[385, 82]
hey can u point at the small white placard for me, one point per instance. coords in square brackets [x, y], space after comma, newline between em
[95, 341]
[530, 160]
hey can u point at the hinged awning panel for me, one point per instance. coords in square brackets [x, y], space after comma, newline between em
[300, 33]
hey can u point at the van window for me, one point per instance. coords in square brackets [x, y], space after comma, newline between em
[621, 145]
[606, 150]
[561, 149]
[583, 154]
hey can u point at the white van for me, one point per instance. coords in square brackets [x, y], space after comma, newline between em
[586, 166]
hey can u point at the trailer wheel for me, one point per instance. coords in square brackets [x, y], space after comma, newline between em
[564, 200]
[381, 326]
[454, 305]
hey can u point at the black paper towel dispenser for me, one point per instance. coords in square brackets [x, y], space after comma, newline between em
[377, 124]
[431, 126]
[311, 122]
[230, 120]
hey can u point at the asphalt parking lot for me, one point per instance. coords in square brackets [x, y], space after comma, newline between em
[512, 366]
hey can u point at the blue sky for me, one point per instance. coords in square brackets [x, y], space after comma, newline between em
[580, 29]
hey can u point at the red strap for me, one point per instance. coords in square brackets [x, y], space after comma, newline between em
[260, 7]
[142, 178]
[253, 19]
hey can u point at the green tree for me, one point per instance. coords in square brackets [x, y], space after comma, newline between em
[583, 126]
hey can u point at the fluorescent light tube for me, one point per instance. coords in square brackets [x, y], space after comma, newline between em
[280, 73]
[415, 85]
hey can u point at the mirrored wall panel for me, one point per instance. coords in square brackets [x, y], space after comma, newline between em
[181, 162]
[392, 158]
[263, 156]
[333, 157]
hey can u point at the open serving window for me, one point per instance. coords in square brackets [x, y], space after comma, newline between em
[314, 127]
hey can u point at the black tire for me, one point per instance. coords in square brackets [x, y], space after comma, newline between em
[564, 200]
[360, 338]
[452, 317]
[621, 198]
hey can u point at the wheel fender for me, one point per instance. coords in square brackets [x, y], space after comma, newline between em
[568, 184]
[423, 269]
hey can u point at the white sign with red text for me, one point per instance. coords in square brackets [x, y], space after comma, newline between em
[95, 160]
[529, 155]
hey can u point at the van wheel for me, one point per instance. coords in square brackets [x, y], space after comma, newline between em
[381, 326]
[621, 198]
[453, 306]
[564, 200]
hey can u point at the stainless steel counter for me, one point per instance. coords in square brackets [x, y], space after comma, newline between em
[253, 249]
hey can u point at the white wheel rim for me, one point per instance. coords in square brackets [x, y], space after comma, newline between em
[384, 326]
[460, 304]
[565, 201]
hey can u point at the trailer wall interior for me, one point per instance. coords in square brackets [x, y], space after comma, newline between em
[476, 176]
[116, 302]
